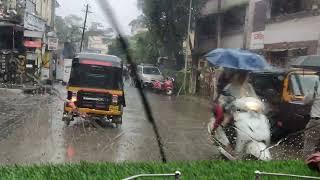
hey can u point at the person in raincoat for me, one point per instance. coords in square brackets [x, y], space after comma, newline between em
[238, 87]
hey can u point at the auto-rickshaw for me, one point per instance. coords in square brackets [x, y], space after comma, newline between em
[284, 91]
[95, 88]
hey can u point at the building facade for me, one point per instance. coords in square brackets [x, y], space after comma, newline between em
[278, 29]
[98, 43]
[26, 27]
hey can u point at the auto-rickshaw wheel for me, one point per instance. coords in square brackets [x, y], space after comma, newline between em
[67, 123]
[67, 119]
[117, 121]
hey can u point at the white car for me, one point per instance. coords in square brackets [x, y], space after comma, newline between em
[149, 73]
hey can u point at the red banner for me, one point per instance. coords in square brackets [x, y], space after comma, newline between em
[97, 63]
[33, 44]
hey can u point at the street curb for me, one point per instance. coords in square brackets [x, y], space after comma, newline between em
[196, 99]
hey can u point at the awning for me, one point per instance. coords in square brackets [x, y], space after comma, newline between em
[33, 34]
[33, 44]
[8, 24]
[285, 49]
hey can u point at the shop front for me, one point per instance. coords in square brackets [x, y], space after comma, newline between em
[11, 48]
[34, 35]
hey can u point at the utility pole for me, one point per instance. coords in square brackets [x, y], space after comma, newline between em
[219, 25]
[187, 48]
[84, 26]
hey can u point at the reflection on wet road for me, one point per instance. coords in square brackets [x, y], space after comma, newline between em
[37, 134]
[31, 131]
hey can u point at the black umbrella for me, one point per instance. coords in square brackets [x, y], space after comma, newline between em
[307, 62]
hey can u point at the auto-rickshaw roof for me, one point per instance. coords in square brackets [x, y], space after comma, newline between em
[116, 62]
[284, 71]
[274, 71]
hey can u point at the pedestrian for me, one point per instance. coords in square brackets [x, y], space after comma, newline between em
[312, 131]
[238, 87]
[131, 76]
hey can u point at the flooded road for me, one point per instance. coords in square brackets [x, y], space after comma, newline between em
[31, 131]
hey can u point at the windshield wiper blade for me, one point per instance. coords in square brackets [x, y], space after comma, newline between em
[105, 6]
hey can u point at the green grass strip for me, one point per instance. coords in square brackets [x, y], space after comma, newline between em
[189, 169]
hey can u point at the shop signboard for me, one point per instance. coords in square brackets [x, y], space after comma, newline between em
[33, 34]
[33, 44]
[52, 44]
[257, 40]
[33, 22]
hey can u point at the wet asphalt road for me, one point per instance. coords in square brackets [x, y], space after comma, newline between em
[31, 131]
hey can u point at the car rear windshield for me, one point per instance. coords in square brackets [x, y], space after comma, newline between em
[151, 70]
[93, 76]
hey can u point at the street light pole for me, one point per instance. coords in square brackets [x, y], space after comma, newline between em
[187, 48]
[84, 27]
[219, 25]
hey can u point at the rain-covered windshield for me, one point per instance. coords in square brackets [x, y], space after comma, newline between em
[165, 101]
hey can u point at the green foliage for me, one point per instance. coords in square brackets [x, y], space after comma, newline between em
[68, 28]
[145, 48]
[241, 170]
[167, 21]
[116, 49]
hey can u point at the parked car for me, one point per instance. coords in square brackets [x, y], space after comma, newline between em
[149, 73]
[284, 92]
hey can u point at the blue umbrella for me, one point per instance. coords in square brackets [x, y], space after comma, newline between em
[237, 59]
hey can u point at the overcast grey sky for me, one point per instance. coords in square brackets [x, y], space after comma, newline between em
[125, 11]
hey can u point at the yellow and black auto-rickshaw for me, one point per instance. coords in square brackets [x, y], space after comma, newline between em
[95, 88]
[285, 91]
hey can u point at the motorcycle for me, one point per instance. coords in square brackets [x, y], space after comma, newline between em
[165, 86]
[252, 130]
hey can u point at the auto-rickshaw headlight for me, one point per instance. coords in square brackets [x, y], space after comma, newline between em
[74, 97]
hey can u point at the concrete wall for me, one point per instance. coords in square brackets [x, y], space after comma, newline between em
[44, 10]
[12, 4]
[303, 29]
[232, 41]
[292, 31]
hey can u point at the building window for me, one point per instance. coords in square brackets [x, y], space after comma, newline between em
[283, 7]
[207, 27]
[234, 19]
